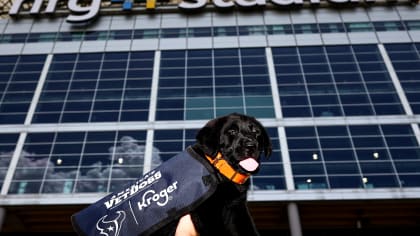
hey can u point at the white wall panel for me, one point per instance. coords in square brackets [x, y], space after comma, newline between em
[67, 47]
[199, 43]
[3, 24]
[354, 15]
[38, 48]
[176, 43]
[118, 45]
[220, 19]
[250, 18]
[281, 40]
[335, 38]
[10, 49]
[362, 37]
[46, 25]
[225, 42]
[122, 22]
[415, 35]
[327, 15]
[303, 16]
[381, 13]
[308, 39]
[145, 44]
[276, 17]
[409, 12]
[93, 46]
[102, 24]
[151, 21]
[200, 20]
[174, 20]
[252, 41]
[393, 37]
[18, 26]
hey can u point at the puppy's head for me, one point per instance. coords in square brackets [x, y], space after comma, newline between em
[239, 138]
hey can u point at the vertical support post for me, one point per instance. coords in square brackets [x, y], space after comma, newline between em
[395, 80]
[294, 219]
[38, 90]
[148, 153]
[287, 167]
[2, 217]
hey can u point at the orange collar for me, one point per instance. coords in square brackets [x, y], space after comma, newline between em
[225, 169]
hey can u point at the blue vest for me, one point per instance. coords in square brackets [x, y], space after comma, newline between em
[166, 193]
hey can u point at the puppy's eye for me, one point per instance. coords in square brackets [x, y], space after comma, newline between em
[232, 132]
[254, 130]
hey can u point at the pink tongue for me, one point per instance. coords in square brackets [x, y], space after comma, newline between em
[249, 164]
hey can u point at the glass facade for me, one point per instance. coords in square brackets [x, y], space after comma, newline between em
[406, 61]
[79, 162]
[312, 82]
[363, 156]
[334, 81]
[87, 109]
[203, 84]
[96, 87]
[7, 147]
[88, 118]
[19, 77]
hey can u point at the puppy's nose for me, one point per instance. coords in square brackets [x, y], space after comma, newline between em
[249, 139]
[248, 142]
[251, 145]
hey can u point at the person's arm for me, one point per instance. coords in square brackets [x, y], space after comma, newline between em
[186, 227]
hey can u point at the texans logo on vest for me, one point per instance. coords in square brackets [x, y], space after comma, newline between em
[111, 227]
[149, 203]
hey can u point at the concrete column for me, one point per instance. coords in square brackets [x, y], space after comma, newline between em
[294, 219]
[2, 217]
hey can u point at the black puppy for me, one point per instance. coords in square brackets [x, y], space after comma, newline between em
[233, 144]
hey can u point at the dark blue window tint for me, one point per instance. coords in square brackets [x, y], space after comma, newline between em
[200, 32]
[202, 84]
[7, 148]
[365, 156]
[412, 25]
[345, 182]
[146, 34]
[406, 62]
[388, 26]
[305, 28]
[41, 37]
[252, 30]
[362, 84]
[168, 143]
[174, 33]
[279, 29]
[225, 31]
[96, 87]
[18, 80]
[331, 28]
[359, 27]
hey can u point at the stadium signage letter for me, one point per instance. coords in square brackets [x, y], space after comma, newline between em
[77, 14]
[80, 13]
[197, 4]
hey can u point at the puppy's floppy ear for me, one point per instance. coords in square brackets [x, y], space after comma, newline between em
[264, 140]
[208, 137]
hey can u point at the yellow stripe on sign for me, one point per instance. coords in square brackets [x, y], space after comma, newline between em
[150, 4]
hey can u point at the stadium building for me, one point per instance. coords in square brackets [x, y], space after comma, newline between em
[95, 93]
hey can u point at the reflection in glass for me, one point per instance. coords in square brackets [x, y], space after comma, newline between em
[68, 167]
